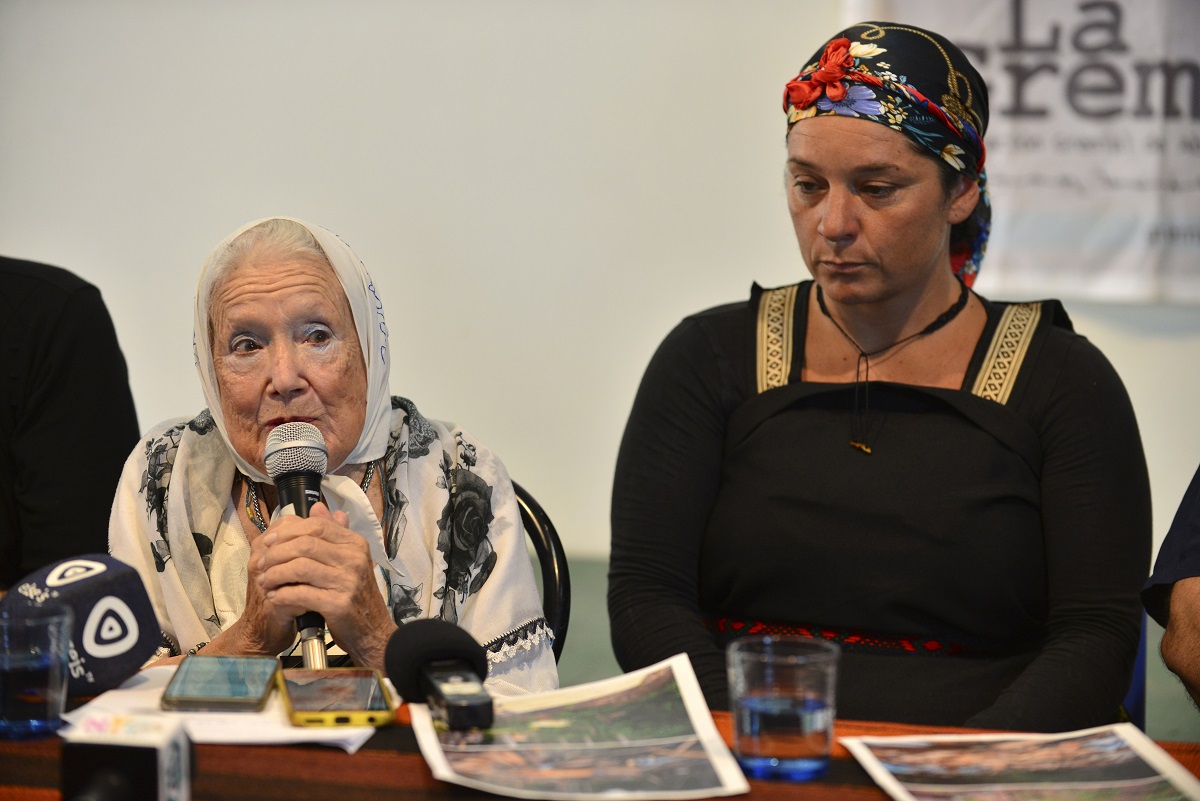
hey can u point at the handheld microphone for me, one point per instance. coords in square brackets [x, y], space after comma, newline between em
[296, 460]
[115, 629]
[439, 663]
[110, 757]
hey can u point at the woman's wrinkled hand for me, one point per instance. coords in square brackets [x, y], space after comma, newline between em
[264, 627]
[317, 564]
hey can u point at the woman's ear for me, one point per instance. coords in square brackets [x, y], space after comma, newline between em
[963, 200]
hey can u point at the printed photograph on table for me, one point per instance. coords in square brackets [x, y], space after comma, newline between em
[642, 735]
[1110, 763]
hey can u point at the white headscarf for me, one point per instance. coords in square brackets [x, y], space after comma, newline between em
[369, 322]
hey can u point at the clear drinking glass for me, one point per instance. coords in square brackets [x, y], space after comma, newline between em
[35, 644]
[782, 695]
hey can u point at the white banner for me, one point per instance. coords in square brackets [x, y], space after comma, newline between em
[1093, 143]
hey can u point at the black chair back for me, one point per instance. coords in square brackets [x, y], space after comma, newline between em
[556, 578]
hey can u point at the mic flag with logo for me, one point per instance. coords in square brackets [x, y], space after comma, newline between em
[115, 628]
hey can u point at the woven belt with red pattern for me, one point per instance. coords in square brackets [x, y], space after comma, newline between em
[729, 628]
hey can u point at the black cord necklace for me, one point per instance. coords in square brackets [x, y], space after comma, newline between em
[864, 358]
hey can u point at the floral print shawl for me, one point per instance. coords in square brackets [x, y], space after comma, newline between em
[464, 560]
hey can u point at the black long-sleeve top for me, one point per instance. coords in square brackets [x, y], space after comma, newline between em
[67, 418]
[1004, 543]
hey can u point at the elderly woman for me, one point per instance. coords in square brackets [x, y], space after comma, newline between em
[418, 519]
[952, 488]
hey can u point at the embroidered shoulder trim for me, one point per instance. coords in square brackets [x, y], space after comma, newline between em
[776, 310]
[1009, 345]
[523, 638]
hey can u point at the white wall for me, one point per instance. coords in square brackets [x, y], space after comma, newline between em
[541, 190]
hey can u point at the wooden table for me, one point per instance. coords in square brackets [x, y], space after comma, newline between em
[389, 766]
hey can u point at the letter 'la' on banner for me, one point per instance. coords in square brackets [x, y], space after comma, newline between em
[1093, 143]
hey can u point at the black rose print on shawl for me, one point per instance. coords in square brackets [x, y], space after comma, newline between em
[204, 546]
[160, 456]
[404, 601]
[420, 431]
[462, 532]
[161, 552]
[202, 423]
[420, 435]
[394, 502]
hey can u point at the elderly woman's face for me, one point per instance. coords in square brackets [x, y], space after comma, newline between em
[871, 215]
[285, 349]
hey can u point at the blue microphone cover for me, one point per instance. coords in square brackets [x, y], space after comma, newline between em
[115, 628]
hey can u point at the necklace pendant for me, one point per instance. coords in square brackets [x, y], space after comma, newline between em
[862, 446]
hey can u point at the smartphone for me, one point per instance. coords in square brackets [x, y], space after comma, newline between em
[337, 697]
[223, 683]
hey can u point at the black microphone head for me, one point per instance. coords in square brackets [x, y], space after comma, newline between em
[295, 448]
[115, 629]
[428, 640]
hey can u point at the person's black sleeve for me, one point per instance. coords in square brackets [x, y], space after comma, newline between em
[1172, 593]
[1096, 520]
[76, 428]
[1178, 556]
[667, 476]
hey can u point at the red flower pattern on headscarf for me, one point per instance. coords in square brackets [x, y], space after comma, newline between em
[827, 78]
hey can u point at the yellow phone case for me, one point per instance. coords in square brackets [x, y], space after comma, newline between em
[336, 697]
